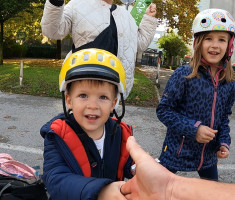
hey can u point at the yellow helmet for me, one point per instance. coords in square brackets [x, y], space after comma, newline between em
[94, 64]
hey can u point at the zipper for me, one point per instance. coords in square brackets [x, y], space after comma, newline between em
[181, 145]
[102, 160]
[202, 157]
[102, 168]
[215, 83]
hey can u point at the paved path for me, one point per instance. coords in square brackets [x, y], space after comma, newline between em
[21, 117]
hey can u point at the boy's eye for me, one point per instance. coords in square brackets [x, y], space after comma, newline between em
[82, 95]
[207, 38]
[103, 97]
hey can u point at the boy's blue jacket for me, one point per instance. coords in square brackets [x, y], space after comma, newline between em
[62, 174]
[185, 104]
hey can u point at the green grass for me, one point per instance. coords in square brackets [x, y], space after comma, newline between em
[143, 92]
[39, 80]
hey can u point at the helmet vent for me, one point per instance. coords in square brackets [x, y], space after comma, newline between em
[100, 57]
[223, 20]
[73, 61]
[112, 62]
[86, 57]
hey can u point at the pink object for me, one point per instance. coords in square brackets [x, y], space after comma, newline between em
[11, 167]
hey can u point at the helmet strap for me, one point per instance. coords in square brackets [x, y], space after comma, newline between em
[211, 65]
[119, 118]
[66, 113]
[230, 48]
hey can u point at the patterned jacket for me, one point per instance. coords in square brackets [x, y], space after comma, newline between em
[187, 103]
[86, 19]
[63, 176]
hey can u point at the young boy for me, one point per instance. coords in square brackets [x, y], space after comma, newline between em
[85, 154]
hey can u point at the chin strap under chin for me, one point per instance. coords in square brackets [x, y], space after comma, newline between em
[211, 65]
[119, 118]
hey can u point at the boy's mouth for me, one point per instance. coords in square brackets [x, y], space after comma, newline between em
[92, 117]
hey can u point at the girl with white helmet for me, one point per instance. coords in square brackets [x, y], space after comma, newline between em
[85, 154]
[198, 99]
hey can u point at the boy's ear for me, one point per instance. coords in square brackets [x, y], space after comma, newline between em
[68, 101]
[114, 103]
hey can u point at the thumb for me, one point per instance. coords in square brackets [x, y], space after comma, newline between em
[213, 131]
[126, 188]
[135, 150]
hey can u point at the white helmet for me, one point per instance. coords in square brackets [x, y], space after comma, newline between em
[213, 20]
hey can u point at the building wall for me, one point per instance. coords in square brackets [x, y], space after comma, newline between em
[228, 5]
[204, 4]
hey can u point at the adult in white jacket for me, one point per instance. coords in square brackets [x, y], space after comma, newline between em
[86, 19]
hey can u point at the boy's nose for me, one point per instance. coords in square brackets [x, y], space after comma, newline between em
[92, 104]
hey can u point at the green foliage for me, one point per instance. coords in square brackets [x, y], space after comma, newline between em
[27, 30]
[173, 45]
[9, 8]
[14, 51]
[178, 14]
[41, 51]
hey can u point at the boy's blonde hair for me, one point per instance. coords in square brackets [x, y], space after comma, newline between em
[93, 82]
[228, 74]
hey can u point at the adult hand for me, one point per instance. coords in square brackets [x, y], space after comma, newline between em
[151, 10]
[152, 181]
[112, 191]
[223, 152]
[205, 134]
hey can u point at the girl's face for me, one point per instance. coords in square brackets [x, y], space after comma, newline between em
[214, 46]
[91, 104]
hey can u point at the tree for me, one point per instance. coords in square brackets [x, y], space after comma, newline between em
[8, 9]
[177, 14]
[23, 18]
[24, 26]
[172, 46]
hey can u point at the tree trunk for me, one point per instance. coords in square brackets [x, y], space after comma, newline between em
[58, 49]
[1, 43]
[169, 60]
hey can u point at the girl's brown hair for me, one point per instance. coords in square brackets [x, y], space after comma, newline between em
[227, 74]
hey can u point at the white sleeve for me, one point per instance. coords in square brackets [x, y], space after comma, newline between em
[56, 21]
[146, 32]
